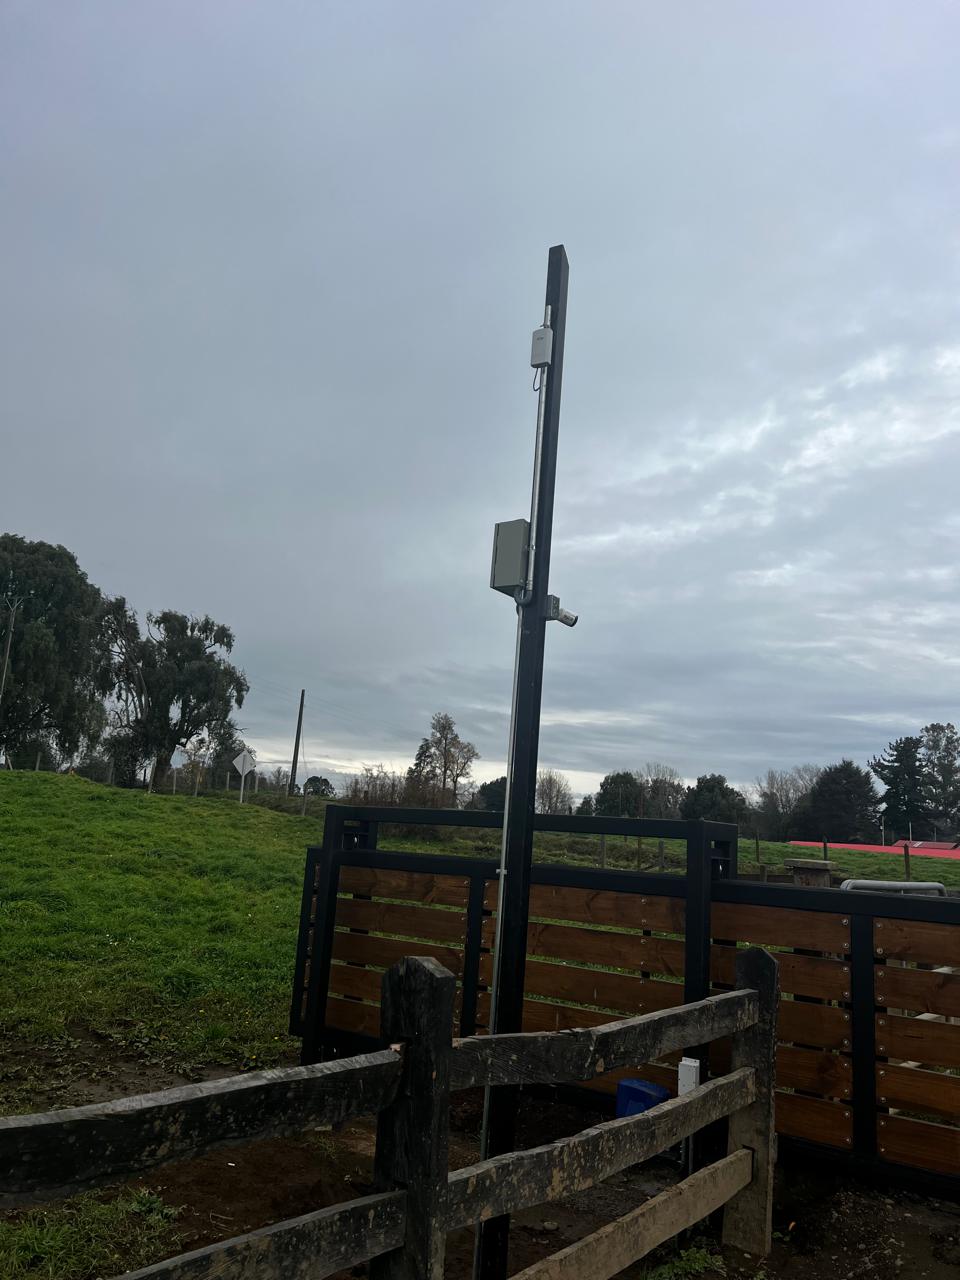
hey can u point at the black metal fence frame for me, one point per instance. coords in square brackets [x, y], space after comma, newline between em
[350, 840]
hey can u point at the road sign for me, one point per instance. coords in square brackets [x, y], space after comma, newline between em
[244, 763]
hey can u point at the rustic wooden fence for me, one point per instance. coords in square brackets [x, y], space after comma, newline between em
[401, 1229]
[869, 1045]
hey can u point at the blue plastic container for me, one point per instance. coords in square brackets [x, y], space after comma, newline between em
[634, 1096]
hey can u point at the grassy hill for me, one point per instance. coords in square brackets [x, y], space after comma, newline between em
[165, 924]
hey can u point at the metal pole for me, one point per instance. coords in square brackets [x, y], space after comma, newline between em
[243, 778]
[292, 784]
[501, 1104]
[14, 606]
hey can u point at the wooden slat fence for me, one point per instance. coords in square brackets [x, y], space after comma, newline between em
[848, 1063]
[401, 1229]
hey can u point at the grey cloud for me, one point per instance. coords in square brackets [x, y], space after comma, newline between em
[269, 283]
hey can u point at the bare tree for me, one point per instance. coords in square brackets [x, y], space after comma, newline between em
[197, 752]
[553, 792]
[464, 754]
[662, 789]
[443, 741]
[778, 795]
[441, 766]
[374, 785]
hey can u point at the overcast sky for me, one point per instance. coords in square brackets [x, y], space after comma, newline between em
[269, 273]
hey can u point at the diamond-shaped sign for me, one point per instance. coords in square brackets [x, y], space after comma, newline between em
[244, 763]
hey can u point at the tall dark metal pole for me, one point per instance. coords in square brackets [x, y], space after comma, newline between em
[500, 1114]
[292, 784]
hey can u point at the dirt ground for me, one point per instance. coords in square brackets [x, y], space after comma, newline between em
[825, 1225]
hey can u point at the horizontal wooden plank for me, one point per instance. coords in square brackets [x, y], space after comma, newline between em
[603, 907]
[370, 948]
[922, 990]
[587, 1052]
[918, 940]
[539, 1015]
[619, 1244]
[918, 1090]
[819, 1025]
[919, 1143]
[412, 886]
[815, 1120]
[351, 980]
[58, 1153]
[308, 1248]
[396, 918]
[662, 955]
[655, 1072]
[815, 976]
[544, 1015]
[824, 1074]
[828, 1074]
[932, 1044]
[353, 1015]
[522, 1179]
[602, 947]
[799, 975]
[620, 992]
[781, 927]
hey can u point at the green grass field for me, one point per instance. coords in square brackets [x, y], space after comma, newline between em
[166, 924]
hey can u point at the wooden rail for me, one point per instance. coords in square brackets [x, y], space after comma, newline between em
[556, 1057]
[401, 1229]
[58, 1153]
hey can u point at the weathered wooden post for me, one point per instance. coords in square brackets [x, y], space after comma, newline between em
[416, 1010]
[748, 1217]
[810, 873]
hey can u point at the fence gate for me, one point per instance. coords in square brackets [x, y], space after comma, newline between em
[869, 1028]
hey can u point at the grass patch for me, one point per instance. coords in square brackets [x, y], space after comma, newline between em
[166, 924]
[87, 1237]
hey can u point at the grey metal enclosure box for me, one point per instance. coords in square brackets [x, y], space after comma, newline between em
[511, 541]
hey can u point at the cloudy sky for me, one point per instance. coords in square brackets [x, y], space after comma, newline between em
[269, 272]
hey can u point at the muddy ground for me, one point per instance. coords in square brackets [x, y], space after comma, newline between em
[826, 1227]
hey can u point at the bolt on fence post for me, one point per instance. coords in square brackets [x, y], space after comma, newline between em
[416, 1010]
[748, 1217]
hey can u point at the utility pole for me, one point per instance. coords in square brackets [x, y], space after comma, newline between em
[529, 557]
[13, 605]
[292, 784]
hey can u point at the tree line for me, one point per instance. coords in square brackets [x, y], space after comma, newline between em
[84, 682]
[919, 794]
